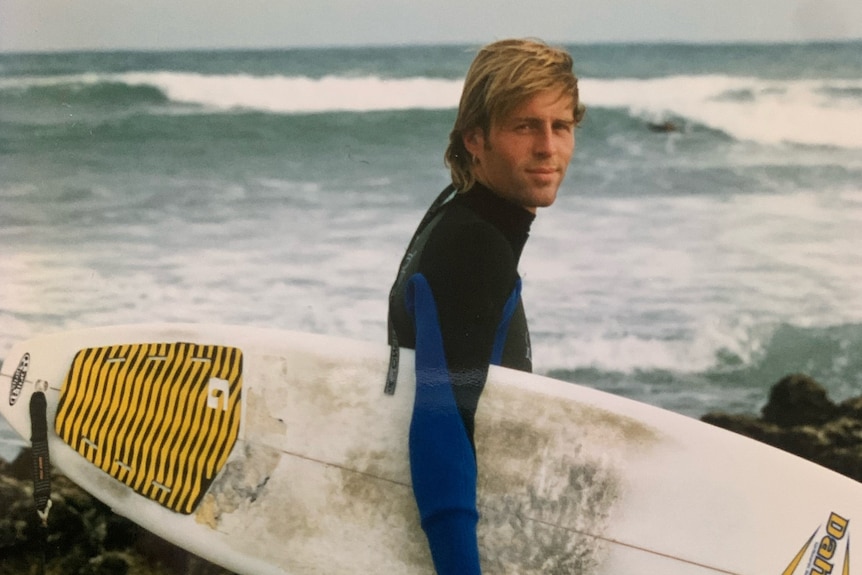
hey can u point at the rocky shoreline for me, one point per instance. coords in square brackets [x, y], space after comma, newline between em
[85, 538]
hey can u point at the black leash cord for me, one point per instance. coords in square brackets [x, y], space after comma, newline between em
[41, 463]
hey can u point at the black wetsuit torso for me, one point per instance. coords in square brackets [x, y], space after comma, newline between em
[468, 251]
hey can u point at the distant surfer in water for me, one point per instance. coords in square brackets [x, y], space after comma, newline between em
[456, 299]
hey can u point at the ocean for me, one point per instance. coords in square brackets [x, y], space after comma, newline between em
[689, 269]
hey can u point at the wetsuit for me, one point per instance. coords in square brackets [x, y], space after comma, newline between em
[457, 302]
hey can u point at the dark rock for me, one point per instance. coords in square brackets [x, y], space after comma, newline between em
[21, 468]
[12, 522]
[798, 400]
[801, 419]
[83, 537]
[112, 564]
[747, 425]
[78, 561]
[852, 407]
[120, 533]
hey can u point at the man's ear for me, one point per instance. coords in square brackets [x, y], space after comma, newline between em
[474, 140]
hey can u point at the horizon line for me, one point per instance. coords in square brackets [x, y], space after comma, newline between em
[443, 44]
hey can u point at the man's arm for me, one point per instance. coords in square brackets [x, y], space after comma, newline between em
[457, 313]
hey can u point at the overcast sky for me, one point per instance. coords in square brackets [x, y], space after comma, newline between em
[37, 25]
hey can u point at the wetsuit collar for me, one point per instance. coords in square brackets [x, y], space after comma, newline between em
[511, 219]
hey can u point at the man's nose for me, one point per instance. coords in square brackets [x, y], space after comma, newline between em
[544, 142]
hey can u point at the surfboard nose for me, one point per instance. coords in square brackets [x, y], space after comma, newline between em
[15, 391]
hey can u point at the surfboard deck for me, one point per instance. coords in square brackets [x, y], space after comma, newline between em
[274, 452]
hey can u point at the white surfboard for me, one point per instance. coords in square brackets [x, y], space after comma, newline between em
[272, 452]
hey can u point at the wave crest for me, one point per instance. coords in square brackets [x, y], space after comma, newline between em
[823, 112]
[807, 112]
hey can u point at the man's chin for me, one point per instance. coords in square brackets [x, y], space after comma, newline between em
[546, 198]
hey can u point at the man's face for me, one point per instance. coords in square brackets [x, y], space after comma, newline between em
[524, 156]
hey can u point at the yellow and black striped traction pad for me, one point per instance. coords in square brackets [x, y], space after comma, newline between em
[160, 417]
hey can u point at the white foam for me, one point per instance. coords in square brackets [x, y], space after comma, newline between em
[298, 94]
[671, 283]
[274, 93]
[772, 111]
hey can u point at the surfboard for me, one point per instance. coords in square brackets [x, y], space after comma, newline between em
[276, 452]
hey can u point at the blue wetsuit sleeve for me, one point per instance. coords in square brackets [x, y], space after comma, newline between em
[471, 271]
[442, 463]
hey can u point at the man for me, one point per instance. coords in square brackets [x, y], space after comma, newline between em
[456, 299]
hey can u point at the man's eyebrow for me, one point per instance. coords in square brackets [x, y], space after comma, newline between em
[541, 119]
[529, 118]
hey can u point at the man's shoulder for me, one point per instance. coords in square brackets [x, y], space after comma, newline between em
[461, 221]
[463, 233]
[467, 250]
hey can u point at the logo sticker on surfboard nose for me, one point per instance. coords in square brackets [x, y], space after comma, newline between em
[826, 549]
[18, 379]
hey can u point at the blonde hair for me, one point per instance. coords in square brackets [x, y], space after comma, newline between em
[503, 75]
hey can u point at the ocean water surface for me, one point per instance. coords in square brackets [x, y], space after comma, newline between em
[689, 269]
